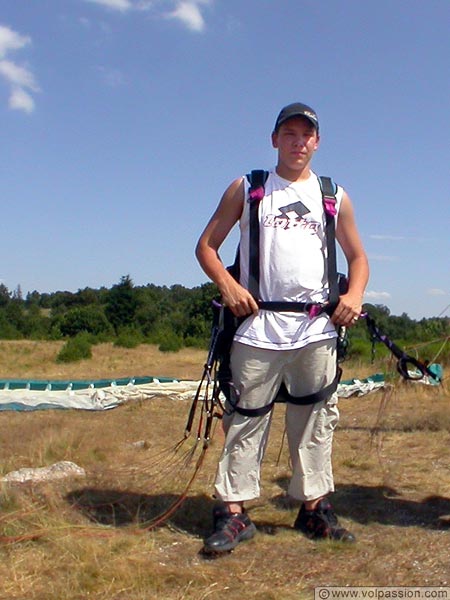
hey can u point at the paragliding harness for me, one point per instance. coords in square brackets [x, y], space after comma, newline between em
[225, 323]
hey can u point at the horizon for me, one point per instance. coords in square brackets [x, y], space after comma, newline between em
[24, 295]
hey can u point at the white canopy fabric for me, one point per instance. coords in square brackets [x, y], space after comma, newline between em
[112, 396]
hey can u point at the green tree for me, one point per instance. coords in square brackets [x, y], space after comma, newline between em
[91, 319]
[33, 299]
[5, 295]
[7, 330]
[15, 314]
[36, 323]
[122, 303]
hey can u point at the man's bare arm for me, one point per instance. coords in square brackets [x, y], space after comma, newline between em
[237, 298]
[350, 304]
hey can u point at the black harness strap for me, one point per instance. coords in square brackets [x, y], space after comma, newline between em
[257, 179]
[323, 394]
[281, 306]
[284, 396]
[329, 196]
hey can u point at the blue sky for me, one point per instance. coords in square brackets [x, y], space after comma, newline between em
[122, 122]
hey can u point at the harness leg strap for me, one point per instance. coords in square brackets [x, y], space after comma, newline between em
[284, 396]
[322, 394]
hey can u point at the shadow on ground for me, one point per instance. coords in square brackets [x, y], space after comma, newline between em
[362, 504]
[384, 505]
[120, 508]
[380, 504]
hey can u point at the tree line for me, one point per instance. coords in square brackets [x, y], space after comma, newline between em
[171, 317]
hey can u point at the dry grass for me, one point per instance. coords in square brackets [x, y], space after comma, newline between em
[392, 471]
[36, 360]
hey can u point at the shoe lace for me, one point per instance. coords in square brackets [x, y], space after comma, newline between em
[229, 521]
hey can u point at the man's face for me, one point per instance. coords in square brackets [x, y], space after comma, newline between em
[296, 141]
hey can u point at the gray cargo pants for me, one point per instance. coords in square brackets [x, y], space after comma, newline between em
[257, 376]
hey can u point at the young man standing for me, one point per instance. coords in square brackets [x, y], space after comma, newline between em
[273, 348]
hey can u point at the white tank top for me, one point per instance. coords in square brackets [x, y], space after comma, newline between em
[293, 263]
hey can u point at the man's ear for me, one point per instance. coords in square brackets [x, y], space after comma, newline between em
[275, 139]
[317, 142]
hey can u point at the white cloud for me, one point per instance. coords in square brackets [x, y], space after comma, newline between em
[436, 292]
[124, 5]
[11, 40]
[21, 100]
[372, 295]
[19, 78]
[188, 12]
[120, 5]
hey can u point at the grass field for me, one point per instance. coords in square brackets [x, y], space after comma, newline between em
[87, 538]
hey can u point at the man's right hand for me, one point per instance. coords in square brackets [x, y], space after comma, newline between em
[238, 299]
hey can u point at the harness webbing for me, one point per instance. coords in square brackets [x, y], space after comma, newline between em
[284, 396]
[279, 306]
[257, 179]
[329, 196]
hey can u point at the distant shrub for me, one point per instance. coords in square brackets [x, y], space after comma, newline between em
[196, 342]
[100, 338]
[129, 337]
[76, 348]
[359, 349]
[7, 330]
[170, 343]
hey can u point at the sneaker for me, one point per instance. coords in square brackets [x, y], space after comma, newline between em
[322, 523]
[229, 529]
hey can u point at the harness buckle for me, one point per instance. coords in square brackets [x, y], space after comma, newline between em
[313, 309]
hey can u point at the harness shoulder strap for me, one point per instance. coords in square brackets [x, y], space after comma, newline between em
[257, 179]
[329, 189]
[327, 186]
